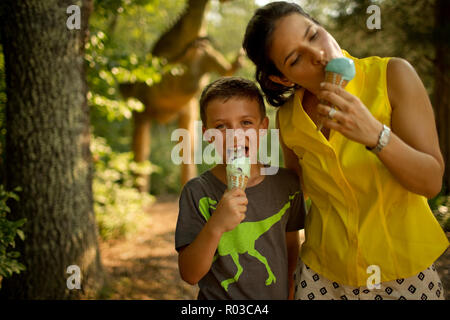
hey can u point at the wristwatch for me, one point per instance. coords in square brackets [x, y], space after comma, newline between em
[383, 140]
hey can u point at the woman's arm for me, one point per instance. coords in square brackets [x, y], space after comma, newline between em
[412, 155]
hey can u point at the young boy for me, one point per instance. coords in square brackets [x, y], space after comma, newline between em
[239, 244]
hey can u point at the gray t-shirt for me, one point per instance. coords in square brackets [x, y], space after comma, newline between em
[251, 260]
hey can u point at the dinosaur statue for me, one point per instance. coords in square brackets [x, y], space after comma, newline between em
[242, 239]
[175, 95]
[189, 26]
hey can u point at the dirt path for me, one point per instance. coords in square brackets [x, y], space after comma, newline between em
[145, 265]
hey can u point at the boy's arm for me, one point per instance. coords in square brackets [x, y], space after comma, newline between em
[293, 247]
[195, 259]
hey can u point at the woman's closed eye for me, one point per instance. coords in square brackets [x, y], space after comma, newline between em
[297, 58]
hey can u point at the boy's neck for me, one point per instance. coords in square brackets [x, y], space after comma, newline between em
[220, 171]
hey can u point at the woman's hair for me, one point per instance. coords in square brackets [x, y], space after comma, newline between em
[257, 41]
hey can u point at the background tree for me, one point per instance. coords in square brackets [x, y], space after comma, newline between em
[47, 148]
[441, 62]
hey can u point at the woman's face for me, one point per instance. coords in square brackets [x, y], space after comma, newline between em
[300, 49]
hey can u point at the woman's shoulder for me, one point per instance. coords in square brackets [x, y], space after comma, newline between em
[402, 79]
[399, 67]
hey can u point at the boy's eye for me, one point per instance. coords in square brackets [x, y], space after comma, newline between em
[314, 36]
[220, 126]
[247, 122]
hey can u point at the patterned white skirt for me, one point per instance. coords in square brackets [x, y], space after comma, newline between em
[426, 285]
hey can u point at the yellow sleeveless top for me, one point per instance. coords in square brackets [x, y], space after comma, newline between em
[360, 215]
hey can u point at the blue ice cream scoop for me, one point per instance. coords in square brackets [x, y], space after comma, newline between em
[343, 66]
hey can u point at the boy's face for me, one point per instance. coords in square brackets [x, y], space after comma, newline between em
[236, 113]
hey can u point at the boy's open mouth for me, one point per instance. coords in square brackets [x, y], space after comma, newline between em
[247, 151]
[239, 151]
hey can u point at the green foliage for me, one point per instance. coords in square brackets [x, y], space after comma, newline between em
[107, 69]
[9, 230]
[166, 179]
[122, 33]
[111, 60]
[118, 51]
[118, 205]
[440, 206]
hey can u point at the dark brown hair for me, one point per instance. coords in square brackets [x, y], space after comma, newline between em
[257, 41]
[226, 88]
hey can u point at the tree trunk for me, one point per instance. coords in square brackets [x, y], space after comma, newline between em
[442, 83]
[47, 148]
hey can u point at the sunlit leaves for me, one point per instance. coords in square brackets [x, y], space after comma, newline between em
[118, 205]
[9, 230]
[105, 73]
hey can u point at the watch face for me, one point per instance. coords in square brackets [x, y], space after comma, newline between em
[384, 139]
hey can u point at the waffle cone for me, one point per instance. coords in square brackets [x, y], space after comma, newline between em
[237, 181]
[335, 78]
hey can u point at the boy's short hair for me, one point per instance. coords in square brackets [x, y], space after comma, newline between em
[230, 87]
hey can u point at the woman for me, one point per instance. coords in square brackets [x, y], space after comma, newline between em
[368, 171]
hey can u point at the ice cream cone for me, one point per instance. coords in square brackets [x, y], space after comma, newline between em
[237, 181]
[238, 170]
[338, 71]
[335, 78]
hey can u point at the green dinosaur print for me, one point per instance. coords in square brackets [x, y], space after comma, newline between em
[242, 239]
